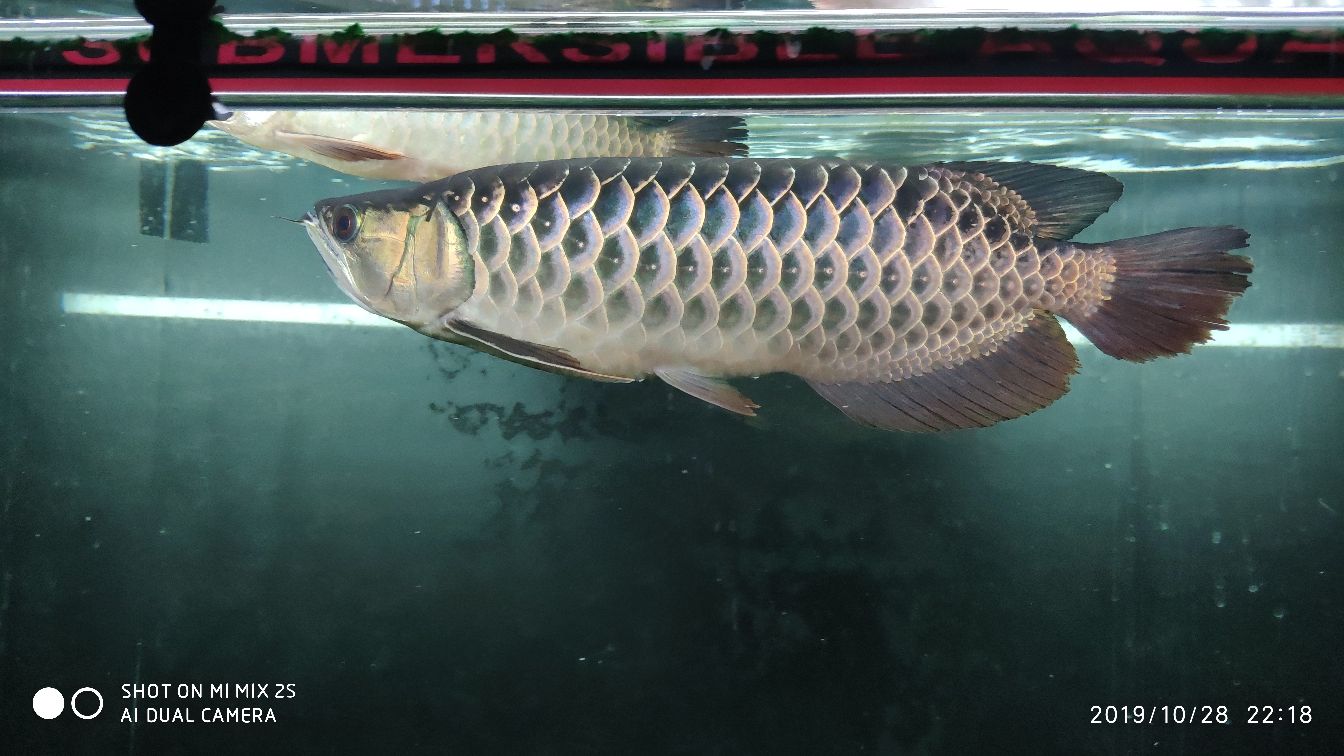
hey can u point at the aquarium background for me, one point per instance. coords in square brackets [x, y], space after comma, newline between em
[110, 8]
[447, 553]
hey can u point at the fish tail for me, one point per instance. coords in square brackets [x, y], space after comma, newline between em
[1171, 291]
[709, 136]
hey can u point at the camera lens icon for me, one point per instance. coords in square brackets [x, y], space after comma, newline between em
[48, 703]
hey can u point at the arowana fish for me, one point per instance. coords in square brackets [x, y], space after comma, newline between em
[425, 145]
[914, 298]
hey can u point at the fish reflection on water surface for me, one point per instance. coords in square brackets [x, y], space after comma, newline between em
[425, 145]
[913, 298]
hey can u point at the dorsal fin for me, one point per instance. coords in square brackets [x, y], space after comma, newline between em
[1065, 200]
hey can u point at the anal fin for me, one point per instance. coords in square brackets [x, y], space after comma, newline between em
[716, 391]
[1027, 371]
[553, 359]
[338, 149]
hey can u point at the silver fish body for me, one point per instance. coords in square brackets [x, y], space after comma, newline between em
[918, 298]
[424, 145]
[828, 271]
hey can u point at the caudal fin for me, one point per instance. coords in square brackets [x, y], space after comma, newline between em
[704, 136]
[1171, 291]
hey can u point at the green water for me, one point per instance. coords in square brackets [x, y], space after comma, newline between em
[447, 553]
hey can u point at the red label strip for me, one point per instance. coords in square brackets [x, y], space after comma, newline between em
[725, 87]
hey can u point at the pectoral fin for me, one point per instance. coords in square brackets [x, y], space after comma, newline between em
[338, 149]
[554, 359]
[713, 390]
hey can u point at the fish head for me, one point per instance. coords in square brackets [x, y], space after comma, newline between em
[396, 253]
[245, 124]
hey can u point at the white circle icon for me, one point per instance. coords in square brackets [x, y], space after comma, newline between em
[74, 696]
[48, 703]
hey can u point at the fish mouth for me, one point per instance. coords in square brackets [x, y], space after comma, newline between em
[220, 112]
[334, 260]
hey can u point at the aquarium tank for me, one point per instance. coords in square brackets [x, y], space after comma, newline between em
[482, 377]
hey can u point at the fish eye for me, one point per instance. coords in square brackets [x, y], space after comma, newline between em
[345, 223]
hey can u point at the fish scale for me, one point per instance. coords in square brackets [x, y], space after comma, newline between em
[828, 270]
